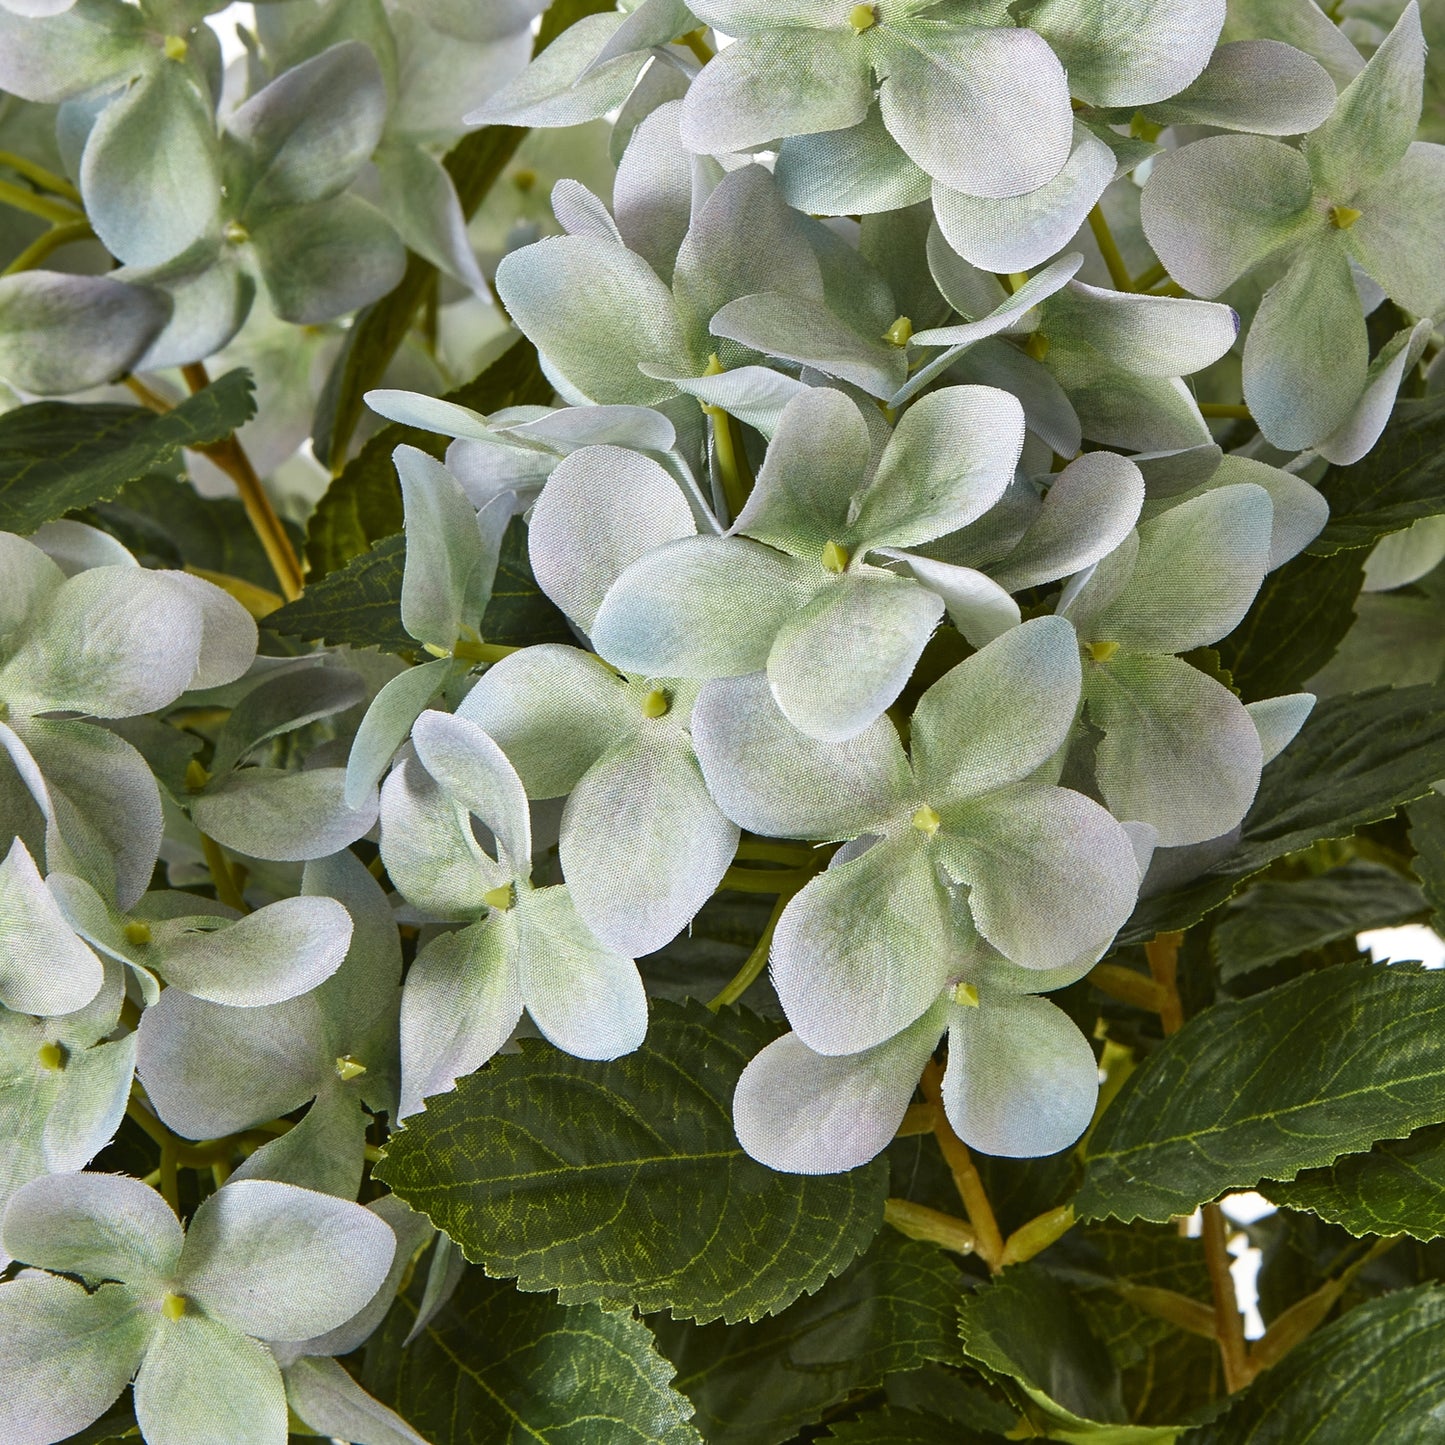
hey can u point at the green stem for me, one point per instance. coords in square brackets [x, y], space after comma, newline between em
[43, 246]
[1222, 411]
[1152, 277]
[756, 961]
[46, 180]
[735, 472]
[221, 875]
[765, 850]
[170, 1186]
[23, 200]
[1109, 249]
[766, 880]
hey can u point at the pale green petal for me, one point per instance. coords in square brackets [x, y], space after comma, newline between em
[807, 1113]
[861, 170]
[1299, 511]
[1014, 233]
[68, 1355]
[602, 508]
[101, 1226]
[63, 55]
[652, 194]
[756, 395]
[643, 845]
[1300, 23]
[1048, 410]
[203, 1383]
[1179, 750]
[387, 724]
[290, 698]
[841, 660]
[1215, 209]
[1051, 875]
[1003, 88]
[1313, 312]
[282, 1263]
[1021, 1079]
[460, 1003]
[773, 779]
[1279, 719]
[999, 715]
[782, 82]
[282, 816]
[865, 948]
[554, 711]
[817, 460]
[701, 607]
[948, 461]
[977, 606]
[595, 311]
[1129, 52]
[1407, 202]
[1148, 335]
[1375, 118]
[1262, 86]
[474, 772]
[1198, 568]
[44, 968]
[329, 1400]
[584, 998]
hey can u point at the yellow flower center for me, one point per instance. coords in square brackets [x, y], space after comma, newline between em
[1102, 651]
[927, 821]
[1343, 217]
[656, 703]
[500, 898]
[835, 558]
[863, 17]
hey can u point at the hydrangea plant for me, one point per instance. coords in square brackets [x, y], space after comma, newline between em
[701, 703]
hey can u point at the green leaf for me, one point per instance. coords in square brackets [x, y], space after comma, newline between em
[363, 504]
[57, 456]
[1286, 1080]
[497, 1365]
[756, 1384]
[1375, 1376]
[1427, 835]
[1399, 481]
[360, 605]
[1397, 1188]
[903, 1427]
[1026, 1326]
[1291, 631]
[1355, 761]
[622, 1183]
[1275, 920]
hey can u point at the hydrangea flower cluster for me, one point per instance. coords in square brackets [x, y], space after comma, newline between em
[896, 479]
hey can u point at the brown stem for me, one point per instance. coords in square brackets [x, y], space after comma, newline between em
[231, 457]
[965, 1177]
[1228, 1322]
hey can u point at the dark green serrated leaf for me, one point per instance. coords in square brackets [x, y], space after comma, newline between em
[622, 1183]
[1286, 1080]
[903, 1427]
[1026, 1326]
[167, 523]
[949, 1393]
[359, 606]
[363, 504]
[756, 1384]
[497, 1367]
[1400, 480]
[1427, 835]
[1355, 761]
[58, 456]
[1397, 1188]
[1376, 1376]
[520, 614]
[1300, 617]
[1275, 920]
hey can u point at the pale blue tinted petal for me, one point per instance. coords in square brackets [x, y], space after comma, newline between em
[701, 607]
[1021, 1079]
[773, 779]
[845, 657]
[602, 508]
[1314, 311]
[1279, 719]
[652, 194]
[282, 1263]
[865, 948]
[68, 1355]
[807, 1113]
[643, 845]
[999, 715]
[44, 968]
[1052, 876]
[1263, 86]
[1217, 208]
[782, 82]
[475, 774]
[1147, 335]
[1391, 364]
[203, 1381]
[59, 57]
[101, 1226]
[1179, 750]
[1299, 510]
[581, 213]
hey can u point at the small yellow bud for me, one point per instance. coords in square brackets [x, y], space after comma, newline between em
[52, 1057]
[524, 178]
[900, 333]
[173, 1306]
[500, 898]
[863, 17]
[656, 703]
[176, 47]
[348, 1068]
[196, 776]
[1102, 651]
[966, 994]
[1343, 217]
[927, 821]
[137, 932]
[235, 233]
[835, 558]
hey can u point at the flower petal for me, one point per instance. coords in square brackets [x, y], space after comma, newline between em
[44, 968]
